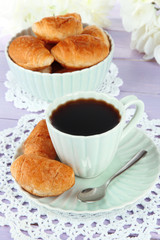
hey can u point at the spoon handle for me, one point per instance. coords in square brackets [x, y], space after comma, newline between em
[135, 159]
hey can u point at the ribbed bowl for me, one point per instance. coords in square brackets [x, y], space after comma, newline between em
[49, 86]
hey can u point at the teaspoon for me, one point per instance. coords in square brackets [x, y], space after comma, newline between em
[97, 193]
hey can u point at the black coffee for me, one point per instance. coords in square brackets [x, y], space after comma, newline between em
[85, 117]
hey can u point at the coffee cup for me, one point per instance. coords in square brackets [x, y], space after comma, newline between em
[87, 127]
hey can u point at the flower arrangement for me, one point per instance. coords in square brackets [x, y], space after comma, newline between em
[142, 19]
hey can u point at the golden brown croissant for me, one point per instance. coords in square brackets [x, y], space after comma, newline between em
[55, 29]
[97, 32]
[75, 15]
[39, 142]
[80, 51]
[42, 176]
[30, 52]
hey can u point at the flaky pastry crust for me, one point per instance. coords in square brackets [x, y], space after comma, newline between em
[55, 29]
[39, 142]
[42, 176]
[97, 32]
[30, 53]
[80, 51]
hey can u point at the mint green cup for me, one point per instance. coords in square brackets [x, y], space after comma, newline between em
[49, 86]
[90, 155]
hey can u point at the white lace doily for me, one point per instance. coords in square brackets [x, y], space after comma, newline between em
[24, 100]
[139, 221]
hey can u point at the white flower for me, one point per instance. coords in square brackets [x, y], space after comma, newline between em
[142, 18]
[136, 13]
[145, 40]
[157, 53]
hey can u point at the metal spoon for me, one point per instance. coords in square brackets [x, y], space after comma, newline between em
[97, 193]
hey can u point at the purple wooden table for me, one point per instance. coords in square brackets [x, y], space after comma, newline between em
[140, 78]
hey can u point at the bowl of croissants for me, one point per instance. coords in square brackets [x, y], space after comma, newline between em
[59, 55]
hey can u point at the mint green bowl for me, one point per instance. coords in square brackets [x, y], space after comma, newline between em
[48, 86]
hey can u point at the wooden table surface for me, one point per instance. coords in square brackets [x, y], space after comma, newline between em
[139, 77]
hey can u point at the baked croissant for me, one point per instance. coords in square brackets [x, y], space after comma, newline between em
[30, 52]
[39, 142]
[55, 29]
[80, 51]
[42, 176]
[97, 32]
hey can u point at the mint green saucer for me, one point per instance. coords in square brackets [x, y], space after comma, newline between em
[124, 190]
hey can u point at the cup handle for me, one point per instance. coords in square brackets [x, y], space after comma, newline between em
[127, 102]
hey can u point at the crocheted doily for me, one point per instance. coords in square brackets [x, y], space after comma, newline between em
[139, 221]
[24, 100]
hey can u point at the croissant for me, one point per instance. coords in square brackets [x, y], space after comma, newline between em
[39, 142]
[80, 51]
[75, 15]
[55, 29]
[42, 176]
[97, 32]
[30, 52]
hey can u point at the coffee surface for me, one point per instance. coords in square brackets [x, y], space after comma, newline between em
[85, 117]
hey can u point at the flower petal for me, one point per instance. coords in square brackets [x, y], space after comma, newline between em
[157, 53]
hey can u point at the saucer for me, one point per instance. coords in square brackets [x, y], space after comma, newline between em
[123, 190]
